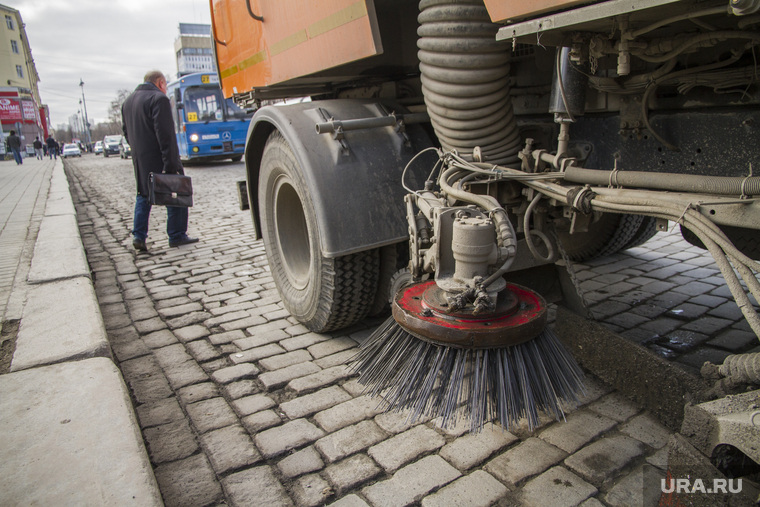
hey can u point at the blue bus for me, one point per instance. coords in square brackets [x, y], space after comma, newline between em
[208, 126]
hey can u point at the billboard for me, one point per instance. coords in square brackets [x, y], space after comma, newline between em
[10, 110]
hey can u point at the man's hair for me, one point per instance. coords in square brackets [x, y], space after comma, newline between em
[154, 76]
[13, 132]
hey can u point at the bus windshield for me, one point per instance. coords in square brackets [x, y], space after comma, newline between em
[203, 104]
[234, 112]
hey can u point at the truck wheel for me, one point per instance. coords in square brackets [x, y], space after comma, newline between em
[611, 233]
[747, 241]
[322, 293]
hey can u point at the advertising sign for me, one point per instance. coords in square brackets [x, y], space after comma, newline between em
[29, 110]
[10, 109]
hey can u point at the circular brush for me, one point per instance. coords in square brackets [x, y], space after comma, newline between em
[500, 367]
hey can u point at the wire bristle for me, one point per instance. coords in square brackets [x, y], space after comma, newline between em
[500, 385]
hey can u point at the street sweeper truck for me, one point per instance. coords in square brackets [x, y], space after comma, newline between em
[451, 158]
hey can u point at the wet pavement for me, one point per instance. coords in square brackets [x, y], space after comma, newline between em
[240, 404]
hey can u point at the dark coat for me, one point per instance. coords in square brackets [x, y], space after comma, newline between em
[14, 141]
[149, 128]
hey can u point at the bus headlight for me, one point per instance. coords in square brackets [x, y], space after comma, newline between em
[194, 138]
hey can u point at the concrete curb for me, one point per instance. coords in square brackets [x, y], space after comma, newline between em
[68, 432]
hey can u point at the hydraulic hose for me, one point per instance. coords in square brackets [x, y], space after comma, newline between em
[465, 80]
[718, 185]
[742, 367]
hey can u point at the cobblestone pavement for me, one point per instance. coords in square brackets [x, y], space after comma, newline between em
[240, 404]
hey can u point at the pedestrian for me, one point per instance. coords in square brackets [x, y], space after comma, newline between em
[37, 147]
[52, 146]
[14, 143]
[149, 129]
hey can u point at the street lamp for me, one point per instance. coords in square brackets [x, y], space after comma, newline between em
[86, 121]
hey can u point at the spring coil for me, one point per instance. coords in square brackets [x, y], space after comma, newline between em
[742, 368]
[465, 80]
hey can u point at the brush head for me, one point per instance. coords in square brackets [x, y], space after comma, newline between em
[514, 380]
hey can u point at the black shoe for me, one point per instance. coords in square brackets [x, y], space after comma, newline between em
[185, 240]
[139, 245]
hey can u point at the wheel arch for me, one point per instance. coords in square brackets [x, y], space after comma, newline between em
[358, 196]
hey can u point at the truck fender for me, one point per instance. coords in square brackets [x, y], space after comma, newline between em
[354, 179]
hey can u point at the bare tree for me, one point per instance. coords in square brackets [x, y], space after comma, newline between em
[114, 110]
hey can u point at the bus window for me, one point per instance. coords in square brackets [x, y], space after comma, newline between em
[203, 104]
[234, 112]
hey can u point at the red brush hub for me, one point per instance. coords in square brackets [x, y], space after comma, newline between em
[421, 309]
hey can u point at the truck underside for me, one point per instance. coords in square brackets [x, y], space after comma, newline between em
[479, 146]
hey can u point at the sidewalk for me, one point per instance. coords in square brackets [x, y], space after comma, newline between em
[68, 433]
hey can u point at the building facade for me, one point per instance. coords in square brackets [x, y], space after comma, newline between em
[193, 49]
[21, 108]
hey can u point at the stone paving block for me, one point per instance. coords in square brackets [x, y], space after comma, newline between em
[591, 502]
[557, 487]
[344, 357]
[244, 323]
[278, 378]
[229, 448]
[251, 355]
[256, 486]
[241, 389]
[175, 311]
[659, 459]
[396, 422]
[260, 338]
[197, 392]
[351, 472]
[261, 421]
[330, 347]
[527, 459]
[150, 325]
[227, 337]
[252, 404]
[152, 388]
[345, 414]
[202, 351]
[350, 501]
[412, 483]
[210, 414]
[303, 341]
[630, 489]
[174, 301]
[311, 490]
[581, 427]
[187, 319]
[734, 340]
[605, 457]
[319, 379]
[190, 481]
[301, 462]
[158, 339]
[615, 406]
[471, 450]
[233, 373]
[190, 333]
[477, 490]
[170, 442]
[311, 403]
[172, 355]
[159, 412]
[647, 429]
[405, 447]
[141, 309]
[129, 350]
[707, 325]
[291, 435]
[184, 374]
[283, 360]
[347, 441]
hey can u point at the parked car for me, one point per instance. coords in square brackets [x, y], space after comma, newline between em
[98, 149]
[125, 151]
[111, 145]
[71, 150]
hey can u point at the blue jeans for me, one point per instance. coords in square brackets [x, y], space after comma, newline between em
[176, 220]
[17, 156]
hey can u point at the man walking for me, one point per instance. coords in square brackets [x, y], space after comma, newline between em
[14, 143]
[149, 129]
[38, 147]
[52, 146]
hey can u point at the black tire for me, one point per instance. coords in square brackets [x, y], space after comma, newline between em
[392, 259]
[610, 234]
[747, 241]
[323, 293]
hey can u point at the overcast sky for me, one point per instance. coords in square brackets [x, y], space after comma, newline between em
[110, 45]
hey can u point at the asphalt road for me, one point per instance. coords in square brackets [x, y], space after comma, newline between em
[239, 403]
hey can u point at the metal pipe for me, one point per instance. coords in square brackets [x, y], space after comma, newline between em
[370, 123]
